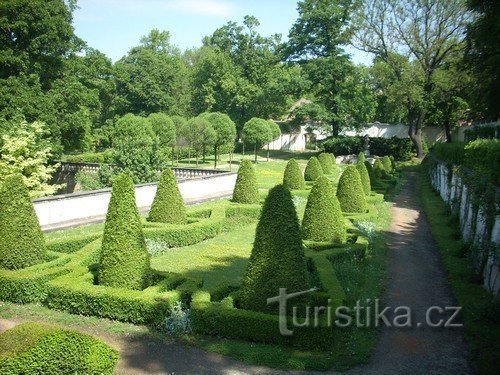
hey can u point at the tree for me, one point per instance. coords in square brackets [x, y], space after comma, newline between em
[246, 190]
[179, 122]
[124, 260]
[225, 131]
[350, 191]
[423, 31]
[277, 259]
[313, 169]
[168, 205]
[293, 178]
[199, 135]
[483, 55]
[257, 132]
[23, 243]
[323, 219]
[165, 131]
[25, 151]
[134, 149]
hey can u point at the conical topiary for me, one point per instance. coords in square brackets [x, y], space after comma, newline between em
[361, 157]
[245, 190]
[365, 177]
[332, 156]
[323, 219]
[313, 169]
[124, 260]
[326, 163]
[277, 259]
[378, 169]
[387, 164]
[393, 162]
[350, 191]
[168, 205]
[293, 178]
[21, 240]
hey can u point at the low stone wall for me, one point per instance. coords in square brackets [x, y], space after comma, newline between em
[85, 207]
[476, 230]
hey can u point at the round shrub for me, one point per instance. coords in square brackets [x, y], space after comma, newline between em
[277, 259]
[387, 164]
[379, 170]
[326, 163]
[21, 240]
[361, 157]
[293, 178]
[245, 190]
[33, 348]
[313, 169]
[124, 260]
[365, 177]
[168, 205]
[350, 191]
[323, 219]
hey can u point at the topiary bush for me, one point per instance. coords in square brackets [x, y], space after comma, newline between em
[293, 178]
[34, 348]
[323, 219]
[168, 205]
[332, 156]
[361, 157]
[326, 163]
[365, 176]
[386, 162]
[277, 259]
[393, 162]
[350, 191]
[124, 260]
[313, 169]
[379, 170]
[245, 190]
[21, 240]
[371, 173]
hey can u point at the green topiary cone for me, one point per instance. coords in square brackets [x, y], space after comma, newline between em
[277, 259]
[334, 161]
[293, 178]
[350, 191]
[379, 170]
[21, 240]
[326, 163]
[168, 205]
[313, 169]
[369, 168]
[323, 219]
[361, 157]
[124, 261]
[245, 190]
[386, 161]
[365, 177]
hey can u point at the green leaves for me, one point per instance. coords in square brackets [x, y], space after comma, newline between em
[245, 190]
[168, 206]
[313, 169]
[350, 191]
[293, 178]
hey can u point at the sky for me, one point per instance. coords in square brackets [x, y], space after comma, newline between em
[115, 26]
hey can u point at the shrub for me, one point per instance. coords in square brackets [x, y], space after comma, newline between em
[22, 243]
[482, 132]
[326, 163]
[88, 180]
[386, 162]
[361, 157]
[451, 153]
[483, 156]
[313, 169]
[168, 205]
[323, 219]
[332, 156]
[371, 173]
[350, 191]
[245, 190]
[277, 259]
[365, 176]
[124, 260]
[92, 157]
[393, 162]
[343, 145]
[293, 178]
[379, 170]
[34, 348]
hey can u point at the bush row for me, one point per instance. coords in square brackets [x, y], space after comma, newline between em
[482, 132]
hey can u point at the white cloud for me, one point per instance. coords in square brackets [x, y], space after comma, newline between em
[219, 8]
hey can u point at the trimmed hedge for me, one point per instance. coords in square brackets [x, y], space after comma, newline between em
[350, 191]
[365, 176]
[483, 157]
[326, 163]
[34, 348]
[313, 169]
[323, 219]
[71, 244]
[386, 161]
[22, 243]
[246, 190]
[277, 259]
[379, 170]
[361, 157]
[168, 205]
[332, 156]
[293, 178]
[124, 260]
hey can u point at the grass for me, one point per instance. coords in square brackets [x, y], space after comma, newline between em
[480, 311]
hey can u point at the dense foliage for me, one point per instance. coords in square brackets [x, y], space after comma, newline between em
[22, 243]
[277, 259]
[350, 191]
[313, 169]
[257, 132]
[168, 205]
[246, 190]
[386, 161]
[364, 175]
[293, 178]
[327, 165]
[323, 219]
[379, 170]
[124, 260]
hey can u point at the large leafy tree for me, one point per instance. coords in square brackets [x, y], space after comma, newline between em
[426, 33]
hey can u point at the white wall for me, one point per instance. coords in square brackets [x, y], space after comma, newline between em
[77, 208]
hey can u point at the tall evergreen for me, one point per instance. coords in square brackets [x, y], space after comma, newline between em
[365, 176]
[313, 169]
[293, 178]
[350, 191]
[168, 205]
[246, 190]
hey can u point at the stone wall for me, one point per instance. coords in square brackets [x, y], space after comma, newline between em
[86, 207]
[476, 231]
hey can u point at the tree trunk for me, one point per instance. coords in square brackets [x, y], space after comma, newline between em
[189, 156]
[204, 152]
[173, 155]
[447, 131]
[415, 134]
[230, 160]
[215, 157]
[243, 148]
[268, 152]
[255, 152]
[335, 129]
[196, 156]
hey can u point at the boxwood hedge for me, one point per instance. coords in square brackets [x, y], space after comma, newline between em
[293, 178]
[350, 191]
[246, 190]
[313, 169]
[168, 205]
